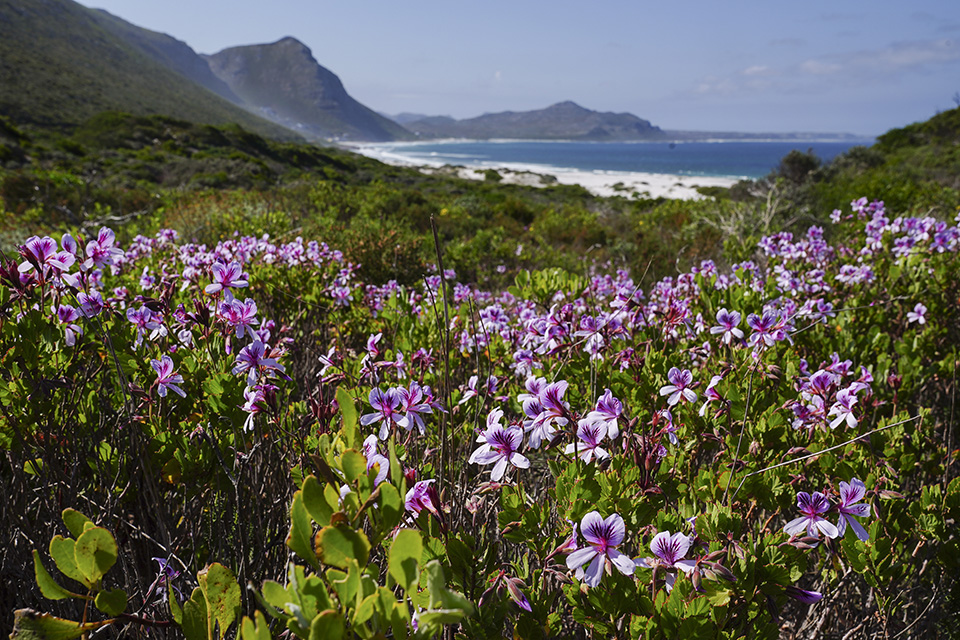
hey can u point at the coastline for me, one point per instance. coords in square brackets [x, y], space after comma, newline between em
[600, 183]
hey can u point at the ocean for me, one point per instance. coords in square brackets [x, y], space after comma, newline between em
[734, 160]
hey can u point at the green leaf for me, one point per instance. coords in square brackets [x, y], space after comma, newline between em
[95, 552]
[391, 506]
[329, 625]
[348, 417]
[315, 501]
[347, 585]
[298, 540]
[365, 610]
[440, 617]
[274, 594]
[48, 586]
[112, 602]
[336, 546]
[222, 592]
[256, 629]
[76, 522]
[176, 611]
[32, 625]
[194, 625]
[405, 555]
[313, 596]
[353, 465]
[62, 552]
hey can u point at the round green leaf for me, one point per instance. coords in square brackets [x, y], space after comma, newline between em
[336, 545]
[112, 602]
[404, 557]
[95, 552]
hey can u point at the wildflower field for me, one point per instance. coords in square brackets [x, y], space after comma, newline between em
[246, 440]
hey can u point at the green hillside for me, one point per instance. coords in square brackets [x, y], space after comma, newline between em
[59, 65]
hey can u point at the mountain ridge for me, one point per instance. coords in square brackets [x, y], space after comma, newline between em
[305, 96]
[565, 120]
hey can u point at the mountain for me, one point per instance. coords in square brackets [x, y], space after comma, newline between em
[61, 63]
[284, 82]
[561, 121]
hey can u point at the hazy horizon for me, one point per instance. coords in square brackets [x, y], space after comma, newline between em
[854, 68]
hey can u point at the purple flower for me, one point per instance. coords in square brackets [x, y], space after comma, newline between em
[412, 406]
[768, 329]
[918, 315]
[804, 596]
[240, 316]
[669, 551]
[252, 358]
[166, 574]
[143, 320]
[605, 415]
[420, 497]
[850, 507]
[374, 458]
[711, 394]
[603, 537]
[811, 520]
[91, 304]
[678, 389]
[101, 252]
[727, 322]
[254, 398]
[590, 436]
[69, 316]
[500, 446]
[226, 276]
[385, 409]
[167, 378]
[41, 254]
[843, 409]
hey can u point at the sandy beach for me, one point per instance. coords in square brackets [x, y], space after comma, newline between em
[599, 183]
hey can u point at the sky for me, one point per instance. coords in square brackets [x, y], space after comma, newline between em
[837, 66]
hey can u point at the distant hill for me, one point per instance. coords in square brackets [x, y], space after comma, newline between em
[61, 63]
[561, 121]
[569, 121]
[284, 82]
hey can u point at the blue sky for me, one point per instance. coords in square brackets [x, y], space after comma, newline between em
[832, 66]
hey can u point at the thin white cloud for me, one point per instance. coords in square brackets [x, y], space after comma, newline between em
[859, 67]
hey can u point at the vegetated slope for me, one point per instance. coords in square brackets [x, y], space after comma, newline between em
[913, 169]
[61, 63]
[561, 121]
[168, 51]
[284, 82]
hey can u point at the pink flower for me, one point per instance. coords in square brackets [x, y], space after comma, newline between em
[167, 378]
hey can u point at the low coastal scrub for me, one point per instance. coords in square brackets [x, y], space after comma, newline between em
[255, 437]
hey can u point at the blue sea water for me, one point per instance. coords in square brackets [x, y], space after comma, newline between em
[752, 159]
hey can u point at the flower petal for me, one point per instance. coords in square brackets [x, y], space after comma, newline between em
[580, 557]
[622, 562]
